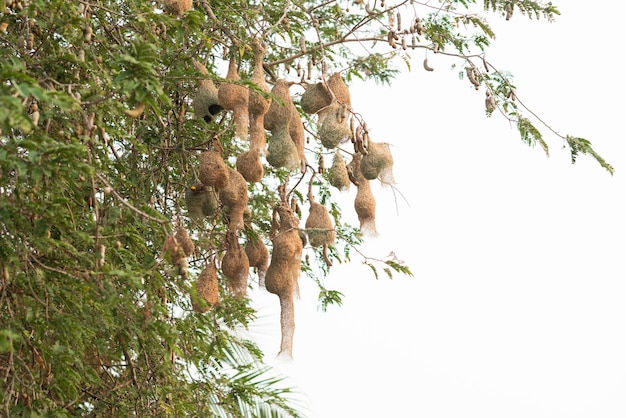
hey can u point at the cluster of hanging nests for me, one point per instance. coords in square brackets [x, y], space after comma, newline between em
[221, 189]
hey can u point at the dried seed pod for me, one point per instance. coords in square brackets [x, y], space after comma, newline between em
[391, 39]
[205, 102]
[177, 7]
[87, 34]
[184, 240]
[235, 199]
[201, 201]
[315, 98]
[426, 66]
[490, 102]
[172, 250]
[472, 75]
[378, 163]
[485, 63]
[234, 97]
[338, 173]
[205, 292]
[302, 45]
[250, 166]
[137, 111]
[334, 128]
[283, 272]
[258, 256]
[364, 202]
[319, 225]
[235, 265]
[213, 170]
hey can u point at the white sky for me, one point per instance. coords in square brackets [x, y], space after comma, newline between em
[517, 307]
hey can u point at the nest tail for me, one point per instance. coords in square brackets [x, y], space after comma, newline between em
[234, 97]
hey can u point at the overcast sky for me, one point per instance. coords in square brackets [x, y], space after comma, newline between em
[517, 304]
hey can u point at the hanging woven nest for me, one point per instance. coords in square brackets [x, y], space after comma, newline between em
[279, 113]
[258, 256]
[185, 241]
[338, 173]
[378, 163]
[258, 104]
[283, 272]
[296, 132]
[315, 98]
[335, 127]
[205, 102]
[281, 151]
[213, 169]
[364, 201]
[177, 7]
[250, 166]
[205, 291]
[235, 266]
[319, 225]
[340, 90]
[234, 97]
[235, 199]
[201, 201]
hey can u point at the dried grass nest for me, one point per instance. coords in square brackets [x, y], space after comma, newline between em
[283, 272]
[319, 225]
[235, 266]
[205, 291]
[334, 128]
[185, 241]
[378, 163]
[234, 197]
[213, 169]
[205, 102]
[201, 201]
[258, 256]
[234, 97]
[364, 201]
[250, 166]
[177, 7]
[286, 144]
[317, 97]
[338, 173]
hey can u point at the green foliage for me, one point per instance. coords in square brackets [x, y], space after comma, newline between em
[98, 149]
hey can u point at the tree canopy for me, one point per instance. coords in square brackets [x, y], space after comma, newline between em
[158, 158]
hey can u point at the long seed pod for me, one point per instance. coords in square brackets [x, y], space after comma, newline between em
[426, 66]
